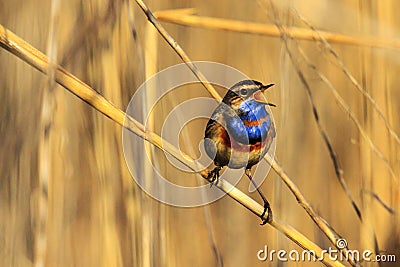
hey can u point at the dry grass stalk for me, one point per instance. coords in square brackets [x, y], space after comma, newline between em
[45, 157]
[342, 103]
[87, 30]
[353, 80]
[149, 212]
[186, 17]
[380, 201]
[178, 49]
[285, 36]
[335, 160]
[324, 135]
[38, 60]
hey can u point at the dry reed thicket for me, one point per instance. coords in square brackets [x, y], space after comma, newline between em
[67, 196]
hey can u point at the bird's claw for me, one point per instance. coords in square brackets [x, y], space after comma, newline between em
[268, 219]
[213, 176]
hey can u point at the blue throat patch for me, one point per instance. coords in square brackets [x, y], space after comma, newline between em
[252, 111]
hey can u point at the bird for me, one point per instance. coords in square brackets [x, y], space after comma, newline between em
[240, 132]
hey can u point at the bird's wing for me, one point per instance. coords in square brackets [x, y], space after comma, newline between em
[231, 122]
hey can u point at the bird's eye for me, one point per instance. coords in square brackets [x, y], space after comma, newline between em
[243, 92]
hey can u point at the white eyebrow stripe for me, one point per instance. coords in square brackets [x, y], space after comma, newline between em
[248, 86]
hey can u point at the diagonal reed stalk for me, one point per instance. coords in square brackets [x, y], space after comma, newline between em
[352, 79]
[322, 131]
[327, 229]
[18, 47]
[284, 37]
[352, 116]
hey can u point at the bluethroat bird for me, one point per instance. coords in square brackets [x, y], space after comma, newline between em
[240, 132]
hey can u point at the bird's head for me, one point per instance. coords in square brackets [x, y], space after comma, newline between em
[247, 90]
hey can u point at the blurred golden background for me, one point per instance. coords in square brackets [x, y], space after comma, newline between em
[67, 197]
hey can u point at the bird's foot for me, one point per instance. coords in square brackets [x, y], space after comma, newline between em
[213, 176]
[267, 208]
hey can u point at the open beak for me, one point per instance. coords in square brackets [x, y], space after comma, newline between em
[259, 96]
[266, 103]
[265, 87]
